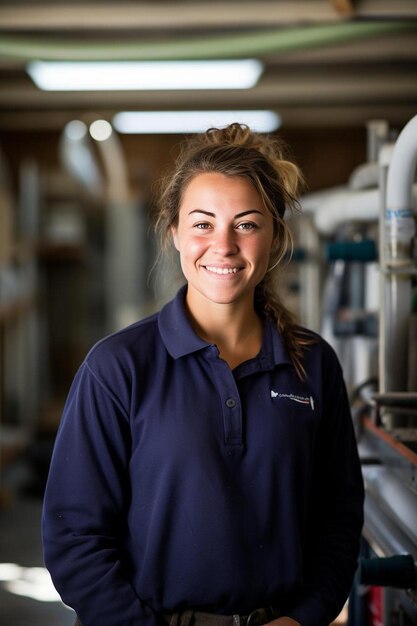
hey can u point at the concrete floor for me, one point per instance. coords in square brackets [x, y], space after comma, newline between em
[27, 597]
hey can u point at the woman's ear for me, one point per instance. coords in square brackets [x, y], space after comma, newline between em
[174, 235]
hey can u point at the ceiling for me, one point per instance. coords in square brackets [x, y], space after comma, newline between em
[327, 62]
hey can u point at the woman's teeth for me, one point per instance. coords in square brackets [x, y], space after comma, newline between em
[222, 270]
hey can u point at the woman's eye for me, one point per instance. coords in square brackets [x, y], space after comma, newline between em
[247, 226]
[202, 225]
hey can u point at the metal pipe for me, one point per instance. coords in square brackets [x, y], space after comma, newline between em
[397, 260]
[402, 168]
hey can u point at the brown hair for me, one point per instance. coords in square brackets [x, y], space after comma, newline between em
[238, 151]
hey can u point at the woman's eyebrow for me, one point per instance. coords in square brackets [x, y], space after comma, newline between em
[201, 211]
[235, 217]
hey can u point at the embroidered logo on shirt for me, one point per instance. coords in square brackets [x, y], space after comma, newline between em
[306, 400]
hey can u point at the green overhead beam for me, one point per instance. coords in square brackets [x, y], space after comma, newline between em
[231, 46]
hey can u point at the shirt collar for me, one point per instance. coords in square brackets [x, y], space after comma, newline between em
[180, 338]
[176, 331]
[273, 349]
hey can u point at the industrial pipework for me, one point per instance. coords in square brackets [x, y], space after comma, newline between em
[397, 261]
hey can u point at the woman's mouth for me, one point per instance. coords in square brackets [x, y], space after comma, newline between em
[222, 270]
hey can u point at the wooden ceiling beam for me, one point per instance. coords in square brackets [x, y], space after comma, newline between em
[161, 16]
[385, 9]
[292, 116]
[98, 17]
[309, 87]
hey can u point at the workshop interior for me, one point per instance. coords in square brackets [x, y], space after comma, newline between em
[95, 98]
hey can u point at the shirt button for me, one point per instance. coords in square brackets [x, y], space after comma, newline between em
[230, 403]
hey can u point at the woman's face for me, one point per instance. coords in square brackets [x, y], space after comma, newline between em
[224, 236]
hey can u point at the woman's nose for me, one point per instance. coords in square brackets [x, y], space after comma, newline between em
[225, 242]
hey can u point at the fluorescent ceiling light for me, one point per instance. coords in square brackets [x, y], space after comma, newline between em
[168, 122]
[144, 75]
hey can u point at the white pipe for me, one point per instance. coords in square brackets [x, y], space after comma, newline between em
[385, 156]
[377, 135]
[402, 168]
[310, 202]
[346, 206]
[364, 176]
[397, 228]
[114, 161]
[79, 160]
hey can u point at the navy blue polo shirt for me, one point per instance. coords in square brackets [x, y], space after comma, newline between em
[177, 482]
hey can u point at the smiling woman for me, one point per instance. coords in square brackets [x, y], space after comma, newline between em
[205, 471]
[224, 235]
[226, 249]
[224, 176]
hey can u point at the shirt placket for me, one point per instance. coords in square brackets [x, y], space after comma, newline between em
[229, 399]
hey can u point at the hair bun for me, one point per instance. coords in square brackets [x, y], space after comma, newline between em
[235, 135]
[271, 147]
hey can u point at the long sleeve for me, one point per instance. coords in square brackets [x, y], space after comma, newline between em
[336, 511]
[85, 508]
